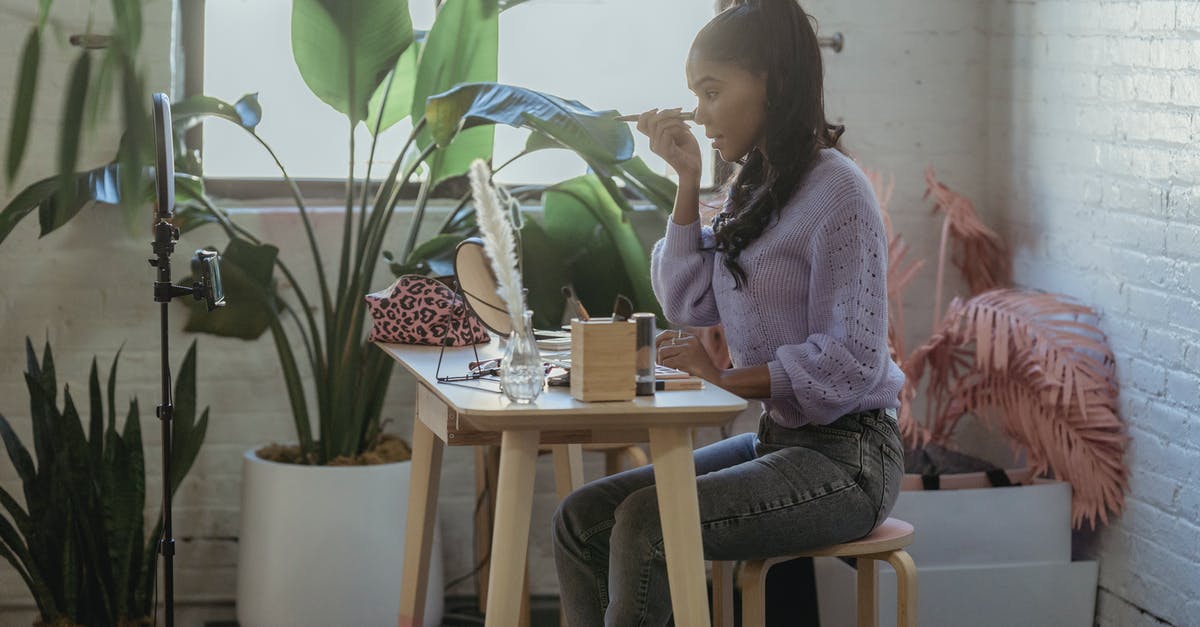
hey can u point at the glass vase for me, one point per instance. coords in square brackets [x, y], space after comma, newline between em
[521, 372]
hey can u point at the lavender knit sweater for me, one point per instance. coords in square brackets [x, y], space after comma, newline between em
[814, 307]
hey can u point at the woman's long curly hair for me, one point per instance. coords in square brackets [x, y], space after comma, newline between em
[775, 38]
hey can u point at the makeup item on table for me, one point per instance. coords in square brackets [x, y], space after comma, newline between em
[686, 116]
[667, 372]
[574, 308]
[485, 367]
[644, 344]
[622, 308]
[690, 383]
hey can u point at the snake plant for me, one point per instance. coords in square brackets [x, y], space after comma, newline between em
[79, 541]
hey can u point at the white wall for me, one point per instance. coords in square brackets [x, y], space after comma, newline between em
[1094, 111]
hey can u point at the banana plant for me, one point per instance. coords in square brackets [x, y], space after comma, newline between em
[79, 543]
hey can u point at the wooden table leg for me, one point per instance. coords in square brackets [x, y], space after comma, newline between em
[510, 537]
[568, 477]
[679, 509]
[418, 531]
[568, 468]
[487, 476]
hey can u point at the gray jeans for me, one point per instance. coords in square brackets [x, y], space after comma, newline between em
[767, 495]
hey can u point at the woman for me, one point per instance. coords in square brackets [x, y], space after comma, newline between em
[794, 269]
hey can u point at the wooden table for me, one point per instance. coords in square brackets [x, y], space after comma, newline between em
[470, 415]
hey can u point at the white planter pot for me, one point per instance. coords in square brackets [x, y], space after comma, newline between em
[1041, 594]
[1029, 523]
[324, 545]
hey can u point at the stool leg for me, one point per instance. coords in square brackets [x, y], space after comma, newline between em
[722, 582]
[868, 598]
[906, 588]
[612, 462]
[753, 581]
[637, 457]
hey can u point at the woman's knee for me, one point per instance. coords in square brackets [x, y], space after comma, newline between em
[637, 518]
[578, 512]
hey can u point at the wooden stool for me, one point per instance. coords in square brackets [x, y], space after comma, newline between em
[885, 543]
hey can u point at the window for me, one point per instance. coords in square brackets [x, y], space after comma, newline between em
[609, 54]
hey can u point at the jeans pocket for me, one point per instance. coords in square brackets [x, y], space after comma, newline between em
[891, 471]
[842, 441]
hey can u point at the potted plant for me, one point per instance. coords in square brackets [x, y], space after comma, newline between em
[1034, 364]
[79, 542]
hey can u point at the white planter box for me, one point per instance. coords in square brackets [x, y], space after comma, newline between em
[1029, 595]
[323, 546]
[1019, 524]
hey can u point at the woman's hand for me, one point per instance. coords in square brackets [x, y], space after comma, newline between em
[686, 353]
[671, 138]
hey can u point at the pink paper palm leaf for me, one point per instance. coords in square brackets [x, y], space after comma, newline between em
[1035, 365]
[979, 252]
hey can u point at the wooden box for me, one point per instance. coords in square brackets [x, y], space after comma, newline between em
[602, 360]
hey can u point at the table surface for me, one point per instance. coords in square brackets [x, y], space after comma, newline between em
[487, 408]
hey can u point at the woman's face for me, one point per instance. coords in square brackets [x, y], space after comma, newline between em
[732, 105]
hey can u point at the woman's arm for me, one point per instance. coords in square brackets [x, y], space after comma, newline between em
[748, 382]
[680, 265]
[686, 353]
[845, 358]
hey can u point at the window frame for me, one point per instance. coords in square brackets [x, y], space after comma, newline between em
[190, 48]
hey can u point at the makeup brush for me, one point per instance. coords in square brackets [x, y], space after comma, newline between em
[686, 116]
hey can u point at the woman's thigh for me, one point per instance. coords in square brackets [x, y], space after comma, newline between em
[805, 488]
[591, 509]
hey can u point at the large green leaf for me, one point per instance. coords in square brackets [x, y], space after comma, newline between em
[595, 135]
[188, 432]
[72, 123]
[247, 276]
[95, 418]
[98, 594]
[99, 185]
[651, 186]
[462, 47]
[421, 259]
[584, 221]
[128, 14]
[124, 490]
[344, 48]
[23, 101]
[543, 276]
[246, 112]
[395, 95]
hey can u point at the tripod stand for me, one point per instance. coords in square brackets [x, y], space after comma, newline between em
[206, 263]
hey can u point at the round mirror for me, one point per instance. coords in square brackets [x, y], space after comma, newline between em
[473, 270]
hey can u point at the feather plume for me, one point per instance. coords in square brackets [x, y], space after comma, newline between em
[499, 241]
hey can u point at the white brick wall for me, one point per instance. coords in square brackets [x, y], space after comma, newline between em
[1070, 122]
[1093, 171]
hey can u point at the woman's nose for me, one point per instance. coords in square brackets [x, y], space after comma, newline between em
[700, 116]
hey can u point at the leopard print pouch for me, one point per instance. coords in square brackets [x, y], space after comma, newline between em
[420, 310]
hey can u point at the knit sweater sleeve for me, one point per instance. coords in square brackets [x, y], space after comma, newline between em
[845, 355]
[681, 271]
